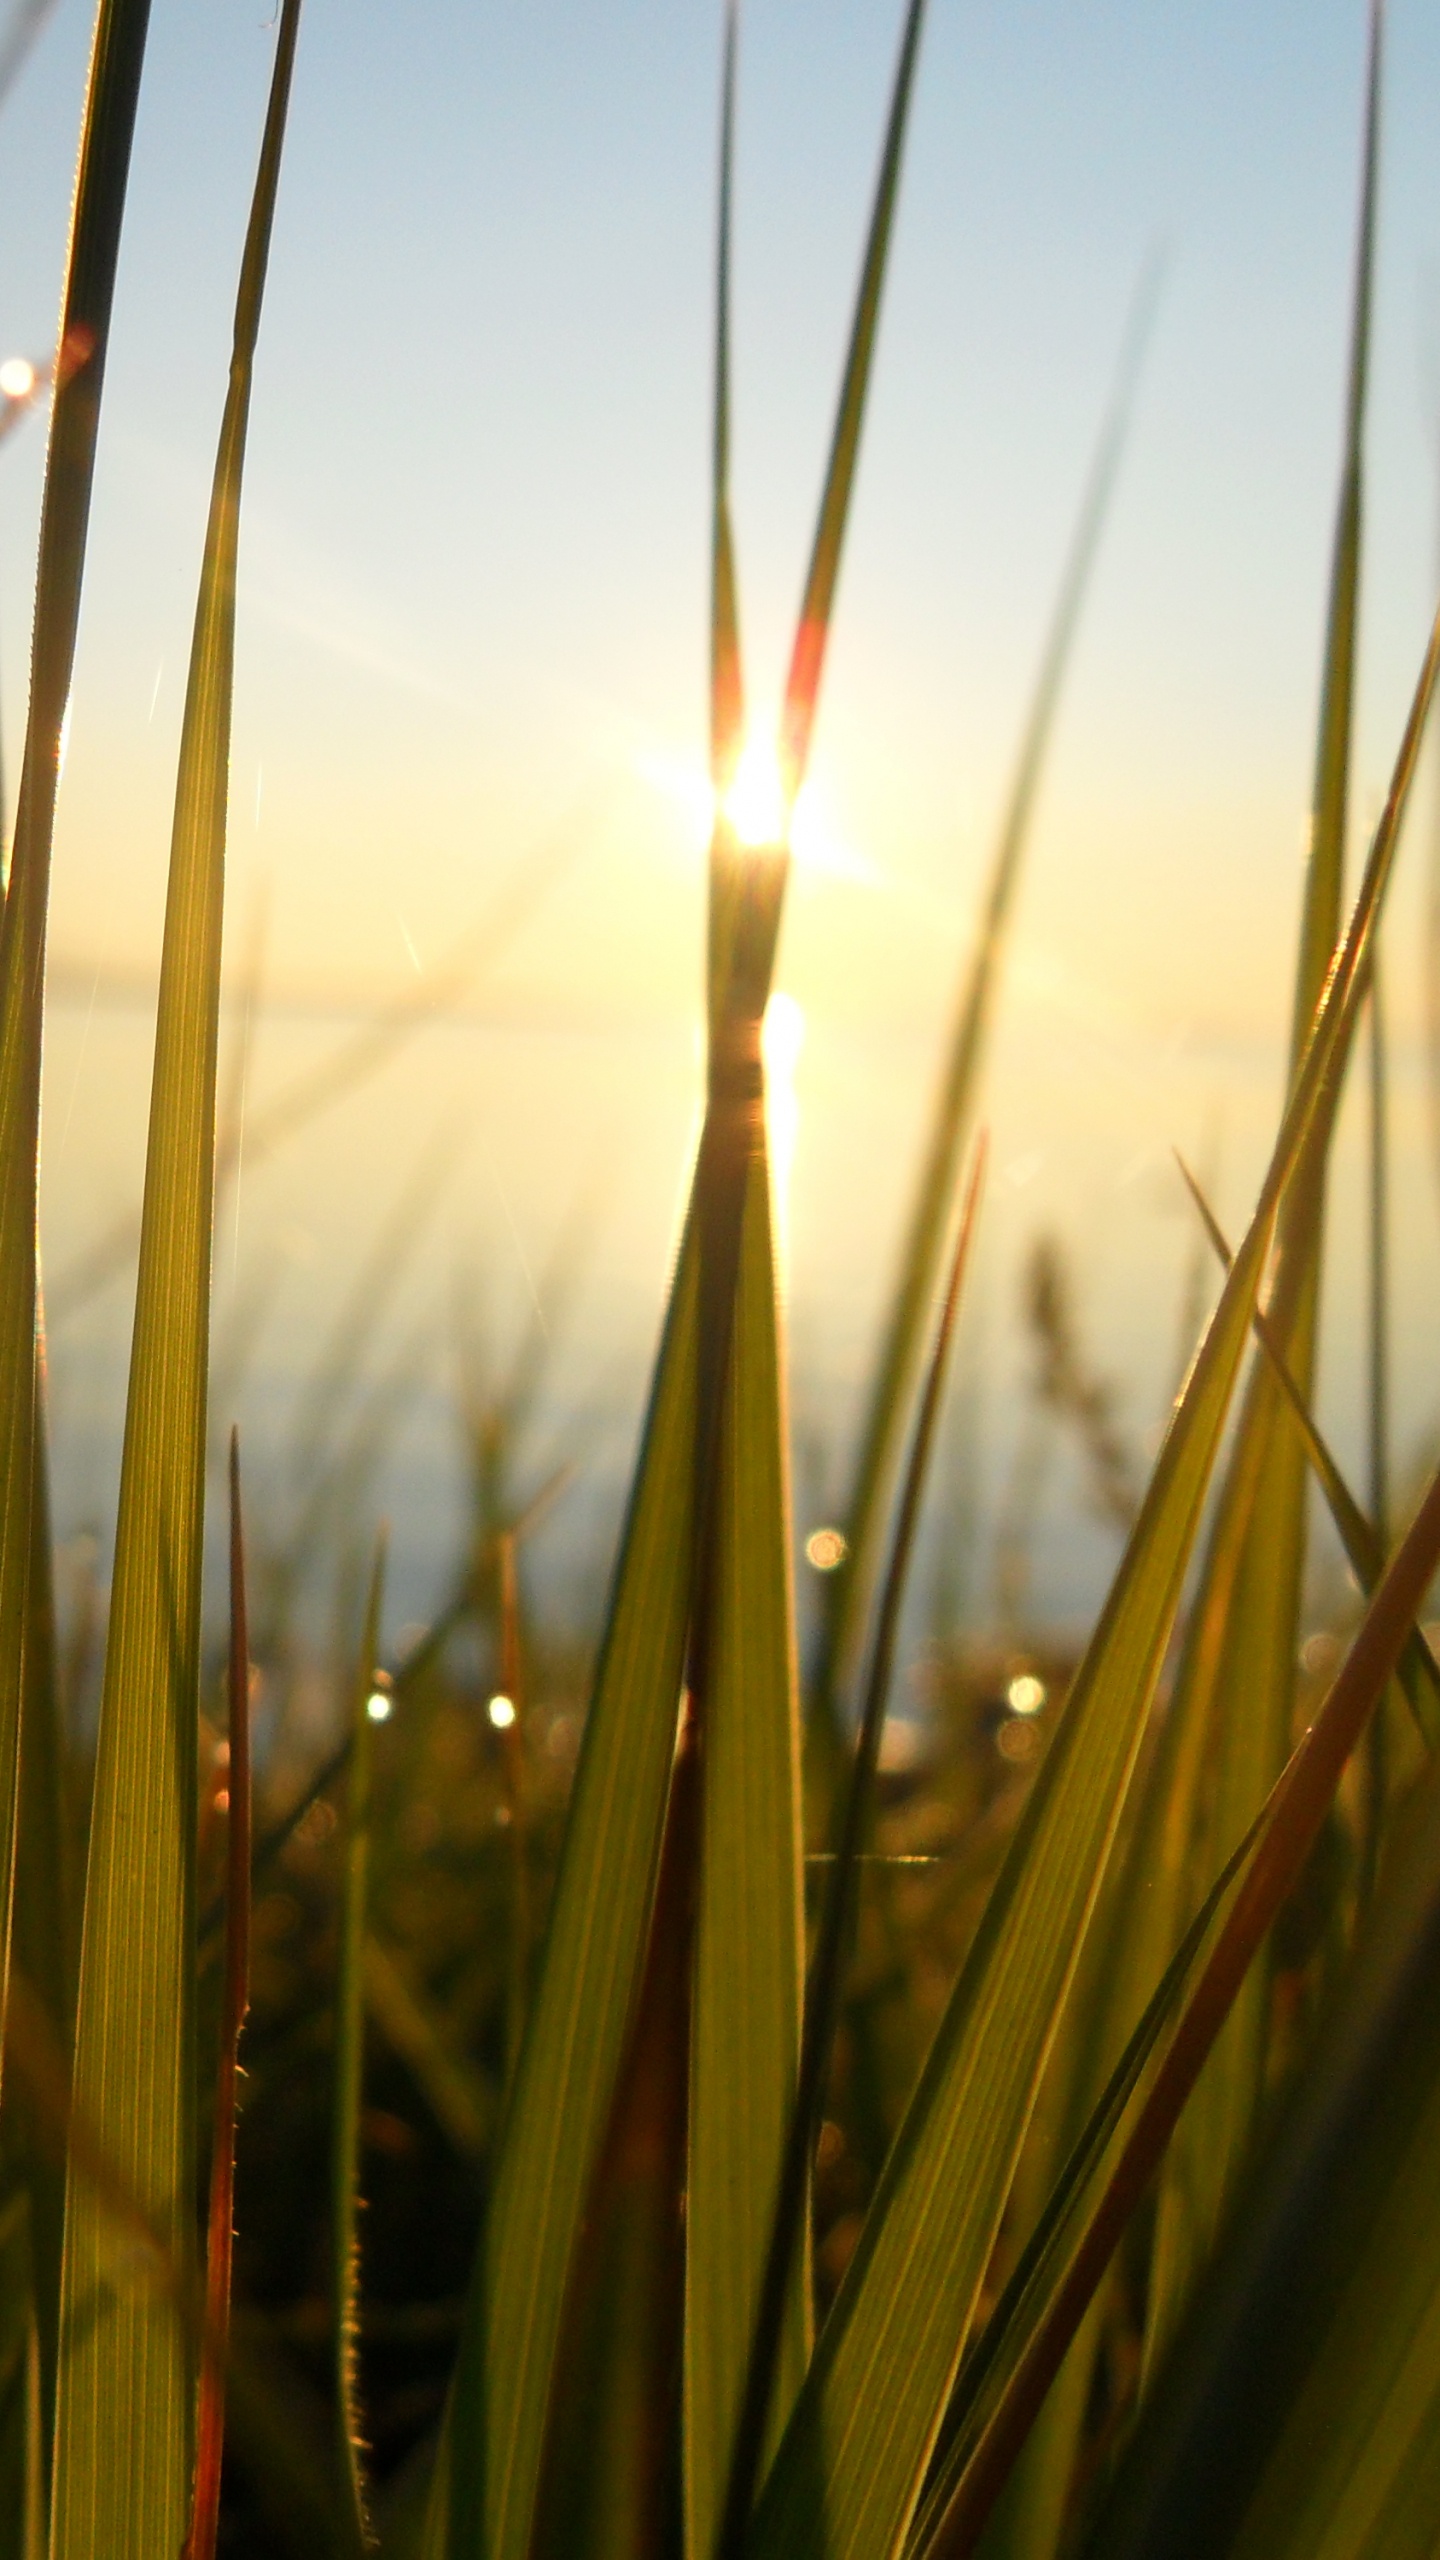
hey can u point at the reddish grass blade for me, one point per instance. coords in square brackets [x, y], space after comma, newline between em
[210, 2442]
[1298, 1808]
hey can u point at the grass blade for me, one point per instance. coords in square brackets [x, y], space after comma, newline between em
[1298, 1808]
[350, 2071]
[1330, 2278]
[1245, 1621]
[125, 2417]
[849, 1589]
[210, 2436]
[106, 137]
[877, 2387]
[807, 657]
[750, 1934]
[822, 1990]
[1418, 1671]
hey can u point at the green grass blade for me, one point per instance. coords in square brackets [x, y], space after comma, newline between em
[875, 2394]
[487, 2475]
[215, 2345]
[750, 1936]
[727, 684]
[106, 136]
[807, 659]
[125, 2417]
[45, 1918]
[1246, 1615]
[850, 1589]
[1331, 2278]
[350, 2070]
[1296, 1811]
[788, 2226]
[1418, 1671]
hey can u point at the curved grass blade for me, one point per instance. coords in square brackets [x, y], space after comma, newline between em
[349, 2072]
[1297, 1809]
[822, 1991]
[210, 2435]
[125, 2415]
[1377, 1767]
[849, 1589]
[875, 2395]
[1245, 1620]
[1311, 2352]
[106, 136]
[1418, 1671]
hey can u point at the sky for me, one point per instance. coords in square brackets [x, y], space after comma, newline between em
[474, 593]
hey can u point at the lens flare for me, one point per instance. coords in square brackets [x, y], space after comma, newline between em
[17, 378]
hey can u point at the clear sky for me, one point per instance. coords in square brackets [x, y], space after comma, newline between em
[474, 550]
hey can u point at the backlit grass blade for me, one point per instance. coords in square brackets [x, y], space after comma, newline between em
[235, 2000]
[850, 1588]
[727, 685]
[1318, 2323]
[487, 2473]
[749, 1956]
[45, 1918]
[105, 141]
[874, 2397]
[788, 2222]
[1299, 1806]
[1245, 1620]
[1377, 1769]
[125, 2415]
[1417, 1669]
[350, 2071]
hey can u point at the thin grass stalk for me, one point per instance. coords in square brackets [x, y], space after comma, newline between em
[1298, 1808]
[125, 2414]
[850, 1588]
[350, 2073]
[1418, 1671]
[512, 1762]
[1245, 1621]
[822, 1995]
[1377, 1773]
[109, 122]
[215, 2354]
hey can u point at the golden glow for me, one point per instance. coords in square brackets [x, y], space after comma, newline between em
[501, 1711]
[755, 803]
[17, 378]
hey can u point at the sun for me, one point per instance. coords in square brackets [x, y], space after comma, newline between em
[756, 803]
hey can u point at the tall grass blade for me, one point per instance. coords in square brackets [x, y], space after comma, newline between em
[850, 1588]
[45, 1929]
[874, 2397]
[1298, 1808]
[350, 2072]
[1311, 2353]
[786, 2253]
[105, 141]
[1245, 1621]
[657, 1643]
[1418, 1671]
[1377, 1769]
[125, 2416]
[749, 1957]
[215, 2352]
